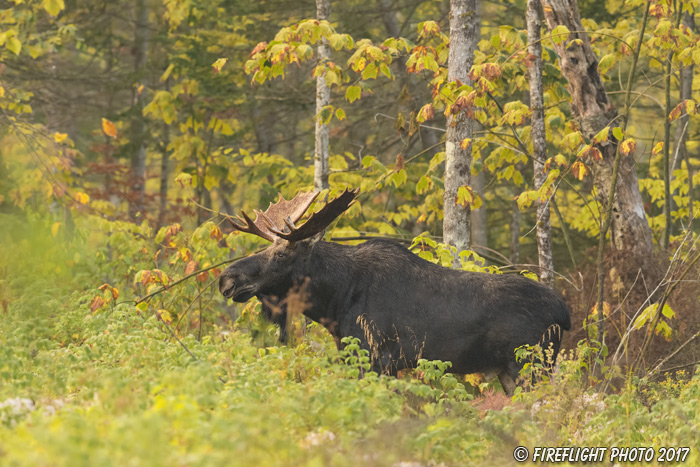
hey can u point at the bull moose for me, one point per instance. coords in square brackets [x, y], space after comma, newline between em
[399, 305]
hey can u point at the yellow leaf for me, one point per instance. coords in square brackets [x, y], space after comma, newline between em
[60, 137]
[53, 7]
[82, 198]
[165, 316]
[14, 45]
[139, 90]
[109, 128]
[54, 228]
[166, 74]
[579, 170]
[219, 64]
[465, 143]
[530, 275]
[184, 179]
[606, 309]
[628, 146]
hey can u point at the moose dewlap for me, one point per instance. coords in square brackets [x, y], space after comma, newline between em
[400, 306]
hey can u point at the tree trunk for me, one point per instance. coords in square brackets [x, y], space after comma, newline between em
[478, 218]
[164, 171]
[593, 110]
[323, 98]
[539, 141]
[480, 231]
[683, 125]
[515, 231]
[261, 126]
[463, 41]
[138, 122]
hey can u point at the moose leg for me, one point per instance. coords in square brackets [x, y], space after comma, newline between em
[507, 382]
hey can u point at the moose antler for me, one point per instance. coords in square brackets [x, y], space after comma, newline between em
[279, 218]
[266, 223]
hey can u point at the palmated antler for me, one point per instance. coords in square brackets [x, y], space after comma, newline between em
[278, 221]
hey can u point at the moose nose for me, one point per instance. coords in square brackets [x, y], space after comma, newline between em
[226, 286]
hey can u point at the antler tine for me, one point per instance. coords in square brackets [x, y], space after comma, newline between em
[321, 219]
[233, 223]
[290, 224]
[252, 227]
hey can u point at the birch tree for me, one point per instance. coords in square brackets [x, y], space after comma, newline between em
[323, 98]
[460, 128]
[539, 142]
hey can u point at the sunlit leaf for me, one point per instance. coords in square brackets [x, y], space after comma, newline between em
[184, 179]
[628, 146]
[109, 128]
[82, 198]
[53, 7]
[165, 316]
[579, 170]
[219, 64]
[560, 34]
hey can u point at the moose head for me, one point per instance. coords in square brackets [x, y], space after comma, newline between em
[274, 271]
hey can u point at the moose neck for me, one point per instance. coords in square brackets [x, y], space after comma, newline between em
[328, 272]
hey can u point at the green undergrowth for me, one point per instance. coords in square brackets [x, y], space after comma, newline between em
[80, 387]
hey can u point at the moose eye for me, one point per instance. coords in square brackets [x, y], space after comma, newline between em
[279, 254]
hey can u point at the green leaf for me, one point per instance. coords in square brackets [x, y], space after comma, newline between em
[399, 178]
[367, 161]
[326, 114]
[518, 178]
[618, 133]
[384, 68]
[606, 63]
[560, 34]
[602, 135]
[422, 185]
[370, 72]
[353, 93]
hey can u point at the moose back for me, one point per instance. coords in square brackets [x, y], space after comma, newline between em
[400, 306]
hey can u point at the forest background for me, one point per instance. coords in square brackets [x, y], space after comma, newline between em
[125, 123]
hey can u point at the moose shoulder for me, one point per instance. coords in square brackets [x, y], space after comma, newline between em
[400, 306]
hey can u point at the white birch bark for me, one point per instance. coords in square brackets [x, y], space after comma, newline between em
[539, 142]
[463, 42]
[323, 98]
